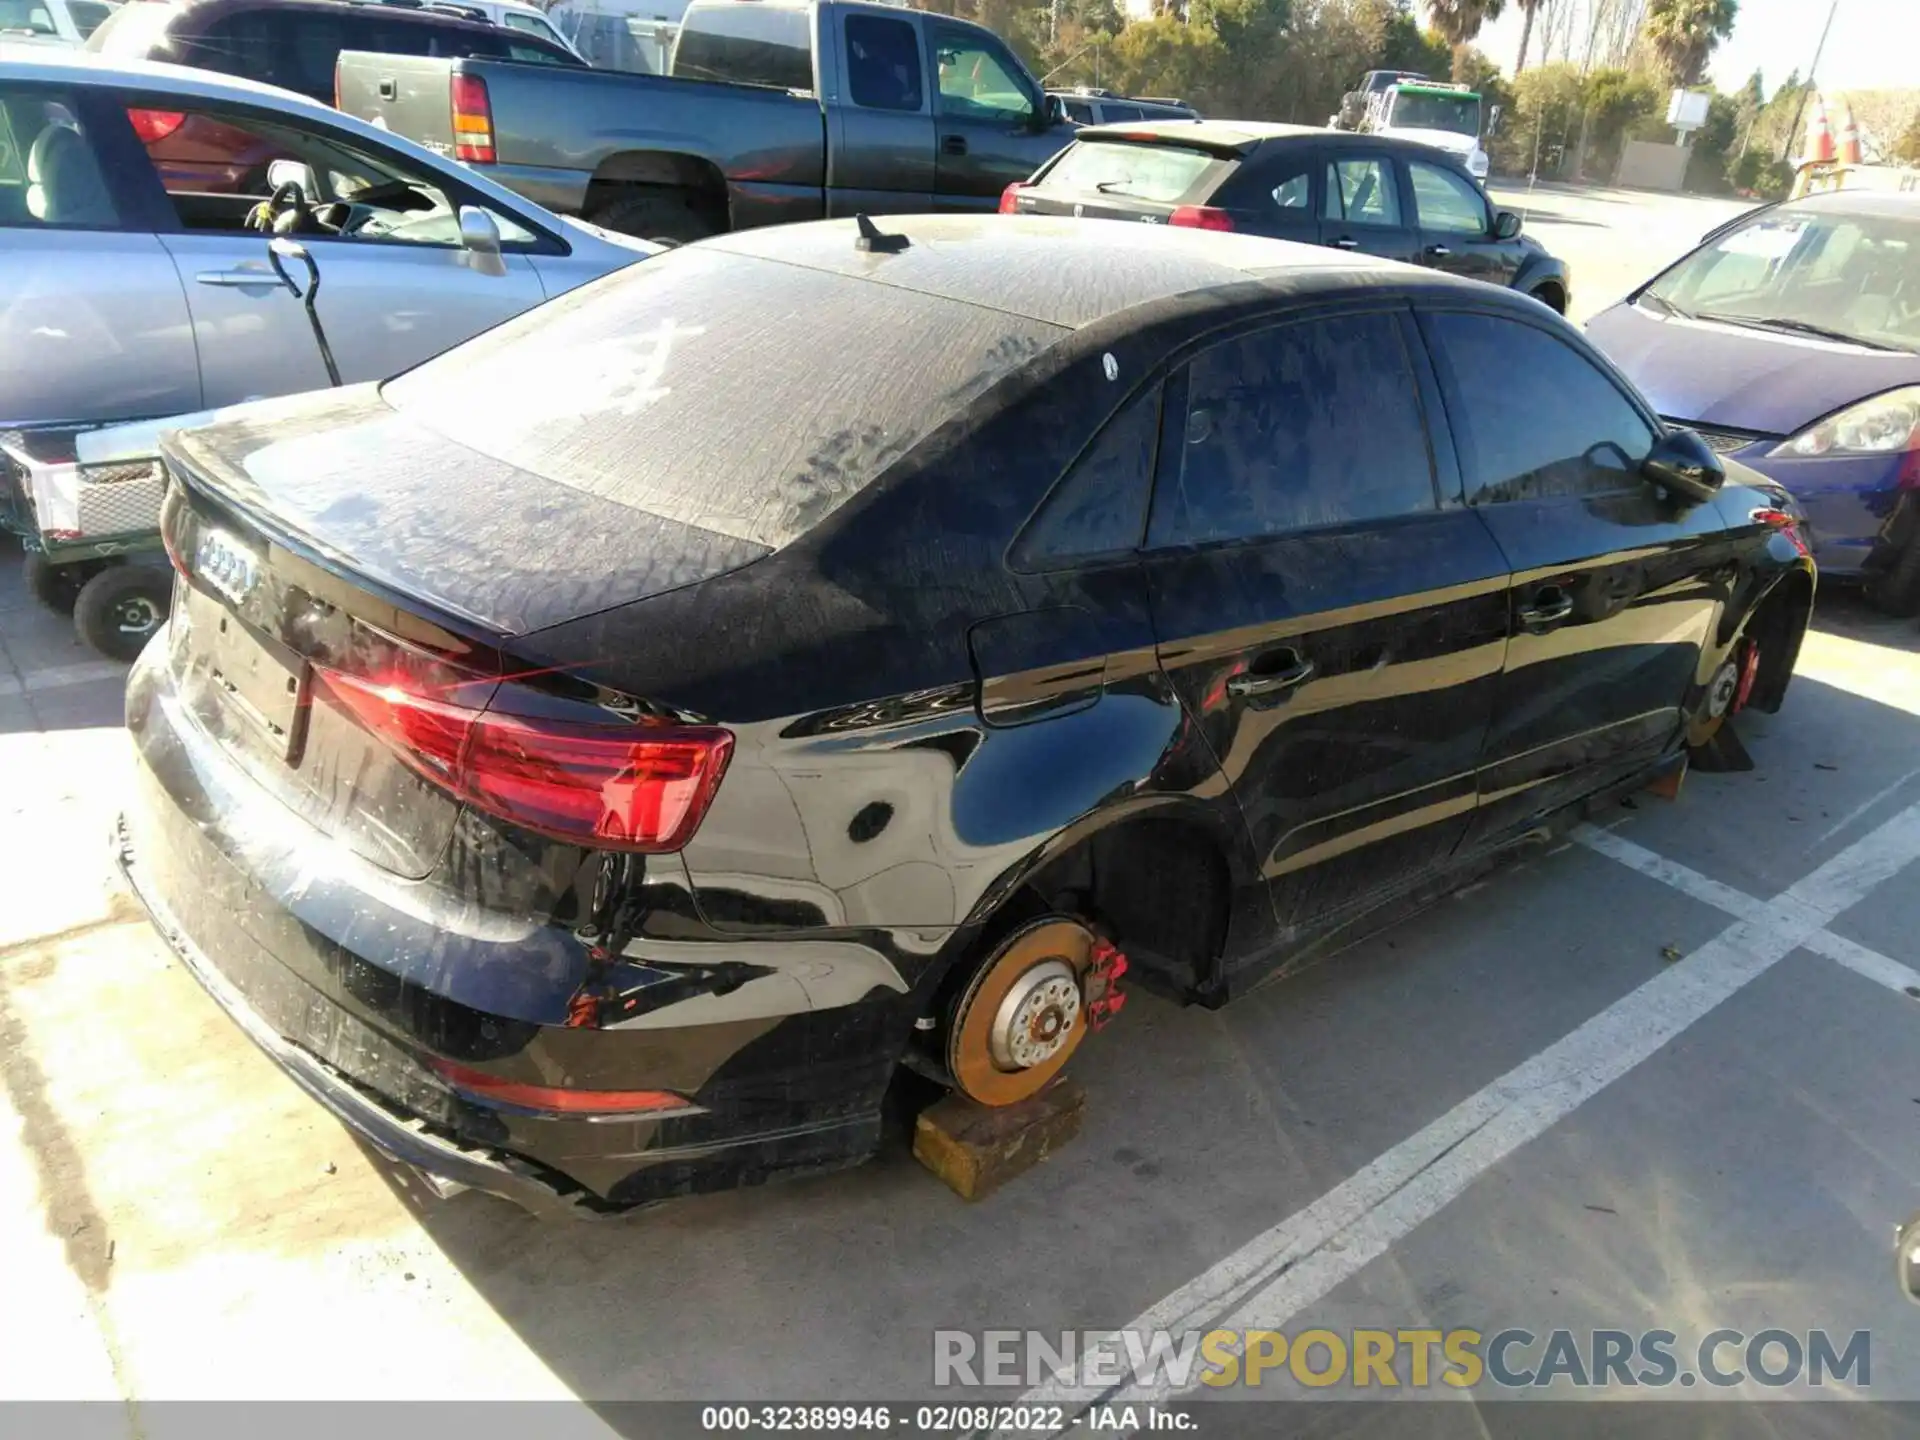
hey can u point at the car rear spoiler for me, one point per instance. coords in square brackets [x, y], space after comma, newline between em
[1133, 134]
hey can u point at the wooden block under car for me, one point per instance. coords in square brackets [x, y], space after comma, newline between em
[976, 1149]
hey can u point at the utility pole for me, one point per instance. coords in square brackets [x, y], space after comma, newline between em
[1800, 109]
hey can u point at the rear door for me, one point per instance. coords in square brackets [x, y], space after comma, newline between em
[93, 323]
[987, 119]
[1332, 616]
[882, 155]
[1362, 207]
[396, 285]
[1614, 589]
[1456, 225]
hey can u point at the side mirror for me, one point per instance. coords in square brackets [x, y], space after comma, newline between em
[1493, 118]
[1685, 466]
[1906, 1257]
[480, 236]
[1506, 225]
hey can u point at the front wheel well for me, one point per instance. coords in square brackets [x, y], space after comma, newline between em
[1550, 293]
[1777, 626]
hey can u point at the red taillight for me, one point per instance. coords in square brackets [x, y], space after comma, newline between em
[613, 787]
[1200, 217]
[472, 120]
[1010, 198]
[554, 1099]
[152, 125]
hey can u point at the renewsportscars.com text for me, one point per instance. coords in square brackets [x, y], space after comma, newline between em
[1378, 1359]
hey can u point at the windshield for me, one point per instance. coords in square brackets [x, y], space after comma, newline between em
[673, 388]
[1426, 110]
[1800, 271]
[1161, 173]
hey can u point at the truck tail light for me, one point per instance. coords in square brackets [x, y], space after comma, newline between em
[638, 787]
[472, 121]
[1010, 198]
[1200, 217]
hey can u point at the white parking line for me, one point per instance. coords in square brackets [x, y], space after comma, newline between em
[1274, 1276]
[55, 677]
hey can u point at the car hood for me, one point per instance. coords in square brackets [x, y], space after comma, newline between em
[1718, 375]
[614, 238]
[1452, 141]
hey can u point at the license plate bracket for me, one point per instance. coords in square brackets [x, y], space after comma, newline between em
[262, 681]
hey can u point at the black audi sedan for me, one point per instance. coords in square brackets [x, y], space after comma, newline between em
[1369, 193]
[594, 763]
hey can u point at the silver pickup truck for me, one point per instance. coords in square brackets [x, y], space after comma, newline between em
[775, 110]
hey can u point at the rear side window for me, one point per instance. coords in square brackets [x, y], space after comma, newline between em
[51, 177]
[883, 64]
[1310, 424]
[1099, 508]
[1534, 418]
[673, 387]
[747, 45]
[1160, 173]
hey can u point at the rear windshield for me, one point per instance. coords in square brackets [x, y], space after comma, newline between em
[1161, 173]
[747, 45]
[742, 396]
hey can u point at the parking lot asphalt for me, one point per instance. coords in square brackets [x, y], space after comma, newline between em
[1659, 1078]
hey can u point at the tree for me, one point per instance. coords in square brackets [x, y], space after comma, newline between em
[1907, 147]
[1458, 21]
[1682, 34]
[1527, 10]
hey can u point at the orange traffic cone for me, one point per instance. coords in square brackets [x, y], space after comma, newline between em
[1849, 153]
[1819, 135]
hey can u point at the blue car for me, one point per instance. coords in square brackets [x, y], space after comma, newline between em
[1791, 340]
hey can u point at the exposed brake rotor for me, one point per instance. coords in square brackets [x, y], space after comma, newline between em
[1028, 1007]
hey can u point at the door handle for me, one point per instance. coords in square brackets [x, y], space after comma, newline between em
[953, 145]
[237, 279]
[1250, 684]
[1346, 242]
[1550, 606]
[1439, 252]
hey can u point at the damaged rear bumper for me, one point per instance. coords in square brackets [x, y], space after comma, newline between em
[400, 1138]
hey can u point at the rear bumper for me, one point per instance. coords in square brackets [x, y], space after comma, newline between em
[307, 949]
[395, 1135]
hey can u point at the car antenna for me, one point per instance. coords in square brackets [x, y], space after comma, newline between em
[877, 241]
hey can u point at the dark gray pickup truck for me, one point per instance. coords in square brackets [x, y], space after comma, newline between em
[775, 110]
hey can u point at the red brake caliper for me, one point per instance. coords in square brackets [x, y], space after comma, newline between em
[1105, 998]
[1749, 672]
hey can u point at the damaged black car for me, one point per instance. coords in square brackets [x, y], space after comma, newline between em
[595, 763]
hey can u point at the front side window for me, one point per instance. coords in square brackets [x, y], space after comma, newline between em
[1306, 425]
[1807, 271]
[50, 174]
[222, 169]
[1362, 192]
[1098, 509]
[1533, 418]
[26, 17]
[1446, 202]
[883, 64]
[978, 79]
[1161, 173]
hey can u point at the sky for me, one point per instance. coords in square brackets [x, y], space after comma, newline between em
[1875, 44]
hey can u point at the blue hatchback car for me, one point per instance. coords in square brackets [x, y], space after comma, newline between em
[1791, 340]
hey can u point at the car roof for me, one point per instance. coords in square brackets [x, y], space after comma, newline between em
[1895, 203]
[1069, 272]
[1247, 136]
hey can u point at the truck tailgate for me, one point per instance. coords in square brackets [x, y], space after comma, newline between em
[407, 94]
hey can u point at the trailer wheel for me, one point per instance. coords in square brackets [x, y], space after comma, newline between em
[119, 609]
[57, 586]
